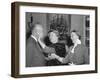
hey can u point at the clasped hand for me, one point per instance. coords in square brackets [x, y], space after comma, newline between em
[52, 56]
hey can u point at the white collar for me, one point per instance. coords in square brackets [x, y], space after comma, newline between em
[34, 37]
[77, 42]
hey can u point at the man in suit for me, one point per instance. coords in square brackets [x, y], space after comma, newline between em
[34, 52]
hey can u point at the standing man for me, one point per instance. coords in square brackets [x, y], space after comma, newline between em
[34, 52]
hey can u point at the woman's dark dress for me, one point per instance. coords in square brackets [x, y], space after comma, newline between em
[60, 51]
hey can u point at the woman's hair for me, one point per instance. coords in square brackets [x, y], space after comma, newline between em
[77, 33]
[54, 31]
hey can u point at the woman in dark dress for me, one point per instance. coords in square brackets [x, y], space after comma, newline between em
[59, 48]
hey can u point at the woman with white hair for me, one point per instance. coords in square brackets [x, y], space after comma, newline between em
[58, 47]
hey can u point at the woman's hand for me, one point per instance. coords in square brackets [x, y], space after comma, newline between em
[52, 56]
[57, 57]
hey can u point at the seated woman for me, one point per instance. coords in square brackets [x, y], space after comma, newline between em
[59, 48]
[78, 53]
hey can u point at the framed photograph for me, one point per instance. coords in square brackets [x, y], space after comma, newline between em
[53, 39]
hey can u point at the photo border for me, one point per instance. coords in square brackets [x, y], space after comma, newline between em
[15, 69]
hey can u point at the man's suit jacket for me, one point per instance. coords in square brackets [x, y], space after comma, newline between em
[34, 53]
[80, 55]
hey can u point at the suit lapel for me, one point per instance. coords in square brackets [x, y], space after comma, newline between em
[37, 44]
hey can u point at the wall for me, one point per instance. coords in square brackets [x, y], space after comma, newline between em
[5, 40]
[77, 22]
[46, 19]
[38, 18]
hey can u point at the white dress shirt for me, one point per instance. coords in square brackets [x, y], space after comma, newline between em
[34, 37]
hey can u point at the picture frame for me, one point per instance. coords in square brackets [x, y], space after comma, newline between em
[18, 14]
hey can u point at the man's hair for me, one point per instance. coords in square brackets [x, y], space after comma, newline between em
[77, 33]
[34, 26]
[54, 31]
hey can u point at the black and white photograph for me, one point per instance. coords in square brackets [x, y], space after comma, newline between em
[51, 39]
[57, 39]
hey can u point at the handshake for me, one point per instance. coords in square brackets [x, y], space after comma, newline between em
[53, 56]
